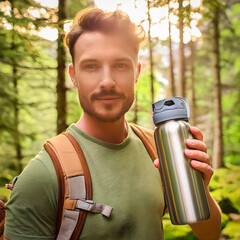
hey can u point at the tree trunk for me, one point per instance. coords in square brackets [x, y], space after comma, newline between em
[181, 91]
[171, 89]
[61, 81]
[150, 53]
[17, 139]
[193, 98]
[16, 134]
[218, 136]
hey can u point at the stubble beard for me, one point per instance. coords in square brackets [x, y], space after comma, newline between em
[107, 116]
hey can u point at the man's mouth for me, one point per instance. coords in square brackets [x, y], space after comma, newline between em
[108, 99]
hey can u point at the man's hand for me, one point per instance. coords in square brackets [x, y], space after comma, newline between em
[198, 154]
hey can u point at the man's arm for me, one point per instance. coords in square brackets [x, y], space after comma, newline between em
[32, 208]
[209, 229]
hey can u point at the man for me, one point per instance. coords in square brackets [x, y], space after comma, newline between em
[104, 49]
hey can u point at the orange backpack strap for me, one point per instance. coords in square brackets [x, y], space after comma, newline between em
[75, 187]
[147, 137]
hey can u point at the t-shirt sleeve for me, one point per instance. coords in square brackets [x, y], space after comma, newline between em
[33, 205]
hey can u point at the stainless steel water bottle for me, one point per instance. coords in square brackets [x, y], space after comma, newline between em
[184, 188]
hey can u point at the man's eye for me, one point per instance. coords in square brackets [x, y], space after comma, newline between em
[91, 66]
[121, 66]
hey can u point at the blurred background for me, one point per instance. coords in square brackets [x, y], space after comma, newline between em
[192, 49]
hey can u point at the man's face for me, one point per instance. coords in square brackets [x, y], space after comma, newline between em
[105, 71]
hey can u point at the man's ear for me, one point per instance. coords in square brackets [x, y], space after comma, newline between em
[71, 72]
[139, 68]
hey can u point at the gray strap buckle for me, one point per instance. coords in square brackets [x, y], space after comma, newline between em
[91, 206]
[85, 204]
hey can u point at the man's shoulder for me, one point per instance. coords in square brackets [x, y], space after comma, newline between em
[38, 173]
[35, 195]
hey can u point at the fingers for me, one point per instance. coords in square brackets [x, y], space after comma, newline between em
[196, 144]
[198, 155]
[206, 170]
[196, 133]
[156, 163]
[198, 149]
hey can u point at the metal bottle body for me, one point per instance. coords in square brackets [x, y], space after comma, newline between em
[184, 188]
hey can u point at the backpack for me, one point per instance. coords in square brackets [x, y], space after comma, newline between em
[72, 171]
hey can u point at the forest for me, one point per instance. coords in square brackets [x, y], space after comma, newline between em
[192, 49]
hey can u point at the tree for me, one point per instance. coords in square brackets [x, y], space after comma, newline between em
[218, 134]
[230, 79]
[16, 105]
[16, 48]
[19, 58]
[150, 51]
[192, 58]
[61, 80]
[193, 94]
[171, 67]
[181, 60]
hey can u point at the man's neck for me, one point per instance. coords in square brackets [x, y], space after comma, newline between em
[112, 132]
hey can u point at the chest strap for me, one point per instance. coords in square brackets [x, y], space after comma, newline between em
[89, 206]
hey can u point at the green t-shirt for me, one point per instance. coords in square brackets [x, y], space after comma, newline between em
[123, 176]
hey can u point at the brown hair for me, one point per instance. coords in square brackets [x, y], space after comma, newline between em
[94, 19]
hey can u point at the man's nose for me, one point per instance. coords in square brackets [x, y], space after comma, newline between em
[107, 80]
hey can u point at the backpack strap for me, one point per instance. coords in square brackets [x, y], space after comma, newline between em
[147, 137]
[75, 186]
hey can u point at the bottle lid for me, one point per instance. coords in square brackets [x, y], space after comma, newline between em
[170, 109]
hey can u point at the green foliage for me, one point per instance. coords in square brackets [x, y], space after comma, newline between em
[235, 9]
[143, 96]
[23, 86]
[230, 75]
[4, 194]
[225, 188]
[213, 4]
[224, 221]
[237, 65]
[72, 9]
[74, 108]
[179, 232]
[231, 84]
[5, 178]
[232, 230]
